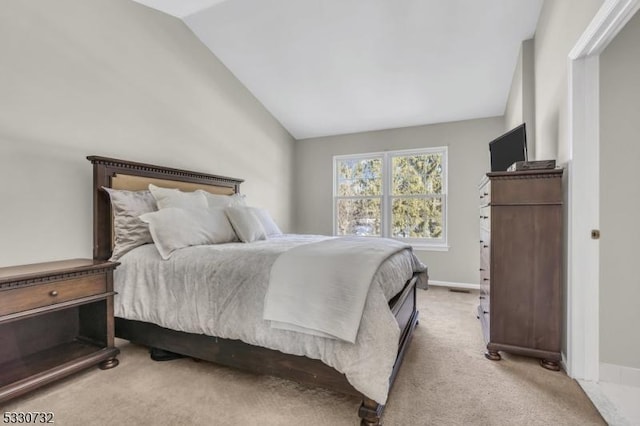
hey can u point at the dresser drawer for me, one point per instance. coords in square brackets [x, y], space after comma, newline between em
[528, 191]
[485, 282]
[485, 219]
[36, 296]
[485, 246]
[485, 194]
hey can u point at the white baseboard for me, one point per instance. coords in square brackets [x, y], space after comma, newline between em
[619, 374]
[454, 285]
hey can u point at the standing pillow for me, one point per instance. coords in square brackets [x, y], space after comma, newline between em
[171, 197]
[246, 223]
[129, 231]
[271, 229]
[174, 228]
[222, 201]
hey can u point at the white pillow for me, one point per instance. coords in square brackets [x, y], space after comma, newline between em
[166, 198]
[271, 229]
[174, 228]
[222, 201]
[246, 223]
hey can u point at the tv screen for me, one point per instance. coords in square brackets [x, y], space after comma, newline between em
[508, 148]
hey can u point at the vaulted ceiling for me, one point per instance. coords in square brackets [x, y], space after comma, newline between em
[325, 67]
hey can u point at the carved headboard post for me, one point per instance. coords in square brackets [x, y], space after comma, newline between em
[101, 204]
[104, 169]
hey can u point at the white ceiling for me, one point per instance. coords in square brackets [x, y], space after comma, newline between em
[326, 67]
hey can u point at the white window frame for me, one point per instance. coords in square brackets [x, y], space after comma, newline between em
[433, 244]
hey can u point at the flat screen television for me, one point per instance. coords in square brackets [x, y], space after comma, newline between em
[508, 148]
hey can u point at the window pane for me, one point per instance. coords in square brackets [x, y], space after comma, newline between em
[359, 177]
[358, 217]
[417, 174]
[416, 218]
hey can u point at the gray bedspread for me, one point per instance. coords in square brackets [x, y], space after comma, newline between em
[219, 290]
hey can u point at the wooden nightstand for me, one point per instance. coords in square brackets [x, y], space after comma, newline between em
[56, 318]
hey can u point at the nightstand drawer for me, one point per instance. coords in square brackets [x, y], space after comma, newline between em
[36, 296]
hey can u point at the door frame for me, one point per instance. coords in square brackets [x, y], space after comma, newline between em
[583, 203]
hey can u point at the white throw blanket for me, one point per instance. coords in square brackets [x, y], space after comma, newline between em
[321, 288]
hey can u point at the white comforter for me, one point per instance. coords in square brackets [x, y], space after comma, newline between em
[321, 288]
[219, 290]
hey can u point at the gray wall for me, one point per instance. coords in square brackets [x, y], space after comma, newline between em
[521, 101]
[513, 114]
[620, 198]
[468, 161]
[114, 78]
[560, 25]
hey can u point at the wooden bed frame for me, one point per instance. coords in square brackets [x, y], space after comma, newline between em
[109, 172]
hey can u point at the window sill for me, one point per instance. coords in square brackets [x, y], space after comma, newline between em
[429, 247]
[417, 246]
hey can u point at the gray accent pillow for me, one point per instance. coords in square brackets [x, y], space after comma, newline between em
[246, 223]
[129, 231]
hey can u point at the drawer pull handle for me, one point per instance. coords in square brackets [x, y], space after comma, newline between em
[482, 269]
[53, 293]
[485, 246]
[485, 312]
[485, 279]
[481, 297]
[486, 193]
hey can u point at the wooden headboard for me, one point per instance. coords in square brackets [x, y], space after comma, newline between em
[120, 174]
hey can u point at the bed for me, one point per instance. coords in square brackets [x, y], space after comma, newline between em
[126, 175]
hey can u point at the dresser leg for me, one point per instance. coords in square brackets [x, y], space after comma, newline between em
[492, 355]
[109, 363]
[550, 365]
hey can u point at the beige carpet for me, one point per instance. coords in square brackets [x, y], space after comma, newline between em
[445, 380]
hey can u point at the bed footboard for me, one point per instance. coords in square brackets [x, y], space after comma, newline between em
[404, 308]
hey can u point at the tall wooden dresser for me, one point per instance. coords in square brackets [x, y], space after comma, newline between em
[521, 264]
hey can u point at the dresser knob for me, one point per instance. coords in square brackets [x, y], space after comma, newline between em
[485, 279]
[53, 293]
[485, 312]
[485, 246]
